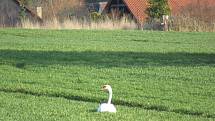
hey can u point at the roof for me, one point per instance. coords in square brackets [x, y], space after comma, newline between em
[137, 8]
[177, 6]
[28, 10]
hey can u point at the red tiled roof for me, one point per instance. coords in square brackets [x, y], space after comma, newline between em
[137, 8]
[177, 6]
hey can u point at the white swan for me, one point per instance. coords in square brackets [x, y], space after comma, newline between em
[107, 107]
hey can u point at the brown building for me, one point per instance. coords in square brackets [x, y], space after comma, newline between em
[10, 13]
[60, 9]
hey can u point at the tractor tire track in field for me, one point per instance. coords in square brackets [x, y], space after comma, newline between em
[105, 59]
[158, 108]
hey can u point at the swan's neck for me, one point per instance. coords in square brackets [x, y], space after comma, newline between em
[110, 96]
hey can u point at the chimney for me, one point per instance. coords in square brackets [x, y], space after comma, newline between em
[39, 12]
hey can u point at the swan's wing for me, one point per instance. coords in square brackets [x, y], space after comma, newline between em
[104, 107]
[112, 108]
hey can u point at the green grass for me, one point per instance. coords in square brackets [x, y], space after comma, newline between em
[57, 75]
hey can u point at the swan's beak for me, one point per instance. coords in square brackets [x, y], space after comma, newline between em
[103, 88]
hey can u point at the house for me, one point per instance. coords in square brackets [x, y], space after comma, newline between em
[60, 9]
[10, 13]
[136, 8]
[96, 7]
[131, 8]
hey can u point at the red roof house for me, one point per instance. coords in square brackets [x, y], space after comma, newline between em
[136, 8]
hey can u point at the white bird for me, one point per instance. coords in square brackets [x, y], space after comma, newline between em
[107, 107]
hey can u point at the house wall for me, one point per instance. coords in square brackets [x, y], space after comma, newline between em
[96, 7]
[117, 9]
[9, 13]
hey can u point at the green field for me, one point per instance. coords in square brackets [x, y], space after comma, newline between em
[57, 74]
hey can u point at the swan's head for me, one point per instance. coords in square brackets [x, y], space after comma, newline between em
[107, 88]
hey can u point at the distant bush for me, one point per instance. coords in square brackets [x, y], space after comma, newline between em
[96, 16]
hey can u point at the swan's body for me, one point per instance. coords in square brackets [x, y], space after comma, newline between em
[104, 107]
[107, 107]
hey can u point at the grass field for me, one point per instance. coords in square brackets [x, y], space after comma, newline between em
[56, 75]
